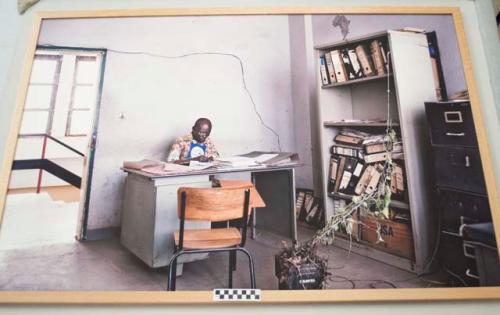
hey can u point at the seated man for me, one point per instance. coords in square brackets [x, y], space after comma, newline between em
[194, 146]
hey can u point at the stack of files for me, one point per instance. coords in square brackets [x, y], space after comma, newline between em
[344, 174]
[272, 158]
[234, 161]
[357, 163]
[309, 208]
[353, 62]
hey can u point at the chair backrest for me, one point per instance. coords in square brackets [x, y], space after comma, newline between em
[255, 198]
[212, 204]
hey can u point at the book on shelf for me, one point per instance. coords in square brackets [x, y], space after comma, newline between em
[332, 176]
[376, 157]
[338, 65]
[350, 73]
[382, 146]
[350, 176]
[352, 151]
[340, 172]
[323, 71]
[373, 183]
[378, 59]
[329, 67]
[364, 61]
[354, 133]
[364, 180]
[348, 139]
[398, 178]
[355, 63]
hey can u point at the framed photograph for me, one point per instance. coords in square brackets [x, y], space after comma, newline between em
[379, 104]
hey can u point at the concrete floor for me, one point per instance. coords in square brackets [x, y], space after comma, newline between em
[34, 257]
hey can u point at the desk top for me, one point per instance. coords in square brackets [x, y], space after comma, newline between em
[213, 171]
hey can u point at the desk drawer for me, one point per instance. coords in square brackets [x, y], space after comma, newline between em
[457, 208]
[451, 124]
[459, 168]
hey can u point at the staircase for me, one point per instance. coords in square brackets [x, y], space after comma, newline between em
[47, 165]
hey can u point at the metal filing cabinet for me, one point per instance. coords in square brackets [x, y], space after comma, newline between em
[459, 181]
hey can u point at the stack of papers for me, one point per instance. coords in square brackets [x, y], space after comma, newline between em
[235, 161]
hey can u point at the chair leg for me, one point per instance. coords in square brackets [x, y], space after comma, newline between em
[172, 272]
[233, 253]
[252, 269]
[230, 268]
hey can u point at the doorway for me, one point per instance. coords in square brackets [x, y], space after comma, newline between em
[52, 170]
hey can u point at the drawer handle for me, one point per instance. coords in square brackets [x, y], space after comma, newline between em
[469, 250]
[454, 134]
[470, 274]
[467, 161]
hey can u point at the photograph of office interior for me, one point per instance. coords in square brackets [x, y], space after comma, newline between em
[354, 125]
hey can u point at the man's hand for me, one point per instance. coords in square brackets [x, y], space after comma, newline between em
[182, 162]
[205, 159]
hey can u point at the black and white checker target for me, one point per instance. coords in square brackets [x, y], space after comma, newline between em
[237, 294]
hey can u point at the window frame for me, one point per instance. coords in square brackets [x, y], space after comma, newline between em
[55, 88]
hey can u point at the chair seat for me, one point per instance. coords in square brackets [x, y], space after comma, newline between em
[209, 238]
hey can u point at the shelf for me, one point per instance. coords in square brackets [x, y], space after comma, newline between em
[354, 81]
[352, 40]
[358, 124]
[393, 203]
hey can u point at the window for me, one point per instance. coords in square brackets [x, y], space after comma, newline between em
[42, 90]
[62, 93]
[83, 96]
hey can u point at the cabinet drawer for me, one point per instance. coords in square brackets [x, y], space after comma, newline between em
[457, 208]
[451, 123]
[452, 258]
[459, 168]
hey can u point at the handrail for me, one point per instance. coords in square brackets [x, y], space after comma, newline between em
[54, 139]
[44, 147]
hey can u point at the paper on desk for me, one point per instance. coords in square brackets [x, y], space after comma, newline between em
[265, 157]
[234, 161]
[166, 168]
[198, 166]
[137, 165]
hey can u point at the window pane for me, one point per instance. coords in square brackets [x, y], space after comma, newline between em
[43, 71]
[86, 71]
[39, 96]
[81, 122]
[84, 97]
[34, 122]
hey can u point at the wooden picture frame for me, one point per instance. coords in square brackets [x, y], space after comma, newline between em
[205, 297]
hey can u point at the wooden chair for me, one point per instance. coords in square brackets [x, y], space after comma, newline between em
[256, 200]
[214, 205]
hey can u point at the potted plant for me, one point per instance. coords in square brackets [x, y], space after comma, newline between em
[298, 266]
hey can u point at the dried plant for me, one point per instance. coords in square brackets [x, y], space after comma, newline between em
[375, 204]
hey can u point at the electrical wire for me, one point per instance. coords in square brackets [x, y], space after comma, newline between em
[372, 285]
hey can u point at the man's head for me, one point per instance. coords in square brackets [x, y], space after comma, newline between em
[201, 129]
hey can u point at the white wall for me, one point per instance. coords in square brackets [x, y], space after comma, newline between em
[160, 98]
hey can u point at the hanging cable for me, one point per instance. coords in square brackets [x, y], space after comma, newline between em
[242, 70]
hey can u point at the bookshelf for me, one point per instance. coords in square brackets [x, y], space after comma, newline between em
[394, 203]
[363, 103]
[355, 81]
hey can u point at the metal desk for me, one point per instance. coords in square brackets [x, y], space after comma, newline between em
[149, 215]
